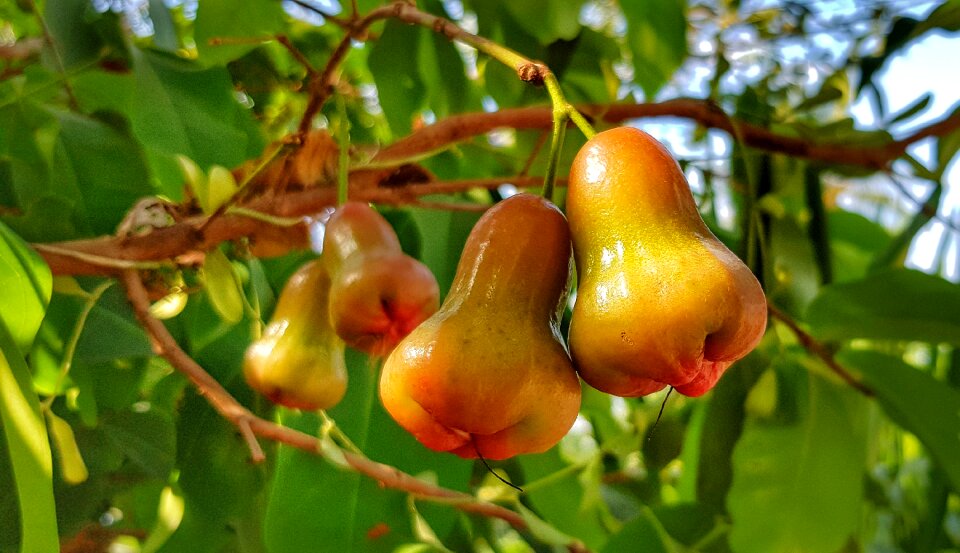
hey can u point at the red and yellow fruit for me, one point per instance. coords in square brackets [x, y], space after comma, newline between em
[299, 360]
[488, 373]
[661, 301]
[378, 293]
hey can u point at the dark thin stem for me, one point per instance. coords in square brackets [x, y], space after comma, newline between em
[660, 414]
[489, 469]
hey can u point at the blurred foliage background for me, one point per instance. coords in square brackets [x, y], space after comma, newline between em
[107, 448]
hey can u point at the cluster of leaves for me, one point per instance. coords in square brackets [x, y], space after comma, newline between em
[99, 108]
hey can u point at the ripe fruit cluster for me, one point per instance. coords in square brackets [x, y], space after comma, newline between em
[363, 292]
[661, 302]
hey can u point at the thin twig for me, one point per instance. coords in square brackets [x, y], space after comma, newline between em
[297, 55]
[815, 347]
[165, 345]
[57, 57]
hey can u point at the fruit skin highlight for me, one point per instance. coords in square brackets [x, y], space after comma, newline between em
[489, 372]
[661, 301]
[379, 294]
[299, 360]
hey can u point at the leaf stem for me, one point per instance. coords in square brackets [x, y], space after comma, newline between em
[68, 352]
[343, 158]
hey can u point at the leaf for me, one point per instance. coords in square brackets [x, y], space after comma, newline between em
[221, 186]
[76, 40]
[443, 235]
[797, 487]
[547, 20]
[25, 287]
[72, 467]
[722, 427]
[179, 109]
[657, 35]
[916, 401]
[644, 529]
[221, 483]
[898, 304]
[919, 105]
[144, 437]
[109, 168]
[223, 286]
[561, 503]
[542, 530]
[395, 68]
[28, 448]
[234, 20]
[111, 331]
[341, 509]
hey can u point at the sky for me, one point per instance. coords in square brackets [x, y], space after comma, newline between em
[924, 67]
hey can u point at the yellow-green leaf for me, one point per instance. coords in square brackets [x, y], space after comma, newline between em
[223, 286]
[72, 467]
[221, 186]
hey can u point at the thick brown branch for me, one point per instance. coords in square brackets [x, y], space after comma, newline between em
[183, 238]
[813, 346]
[169, 243]
[458, 128]
[246, 422]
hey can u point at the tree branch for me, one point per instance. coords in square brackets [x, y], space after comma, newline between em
[106, 255]
[815, 347]
[458, 128]
[249, 424]
[174, 241]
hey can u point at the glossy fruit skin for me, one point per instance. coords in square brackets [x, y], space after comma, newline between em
[660, 301]
[379, 294]
[298, 362]
[489, 370]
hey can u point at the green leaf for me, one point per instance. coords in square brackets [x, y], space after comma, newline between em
[219, 483]
[644, 529]
[657, 35]
[221, 186]
[444, 234]
[561, 503]
[223, 286]
[72, 468]
[722, 426]
[236, 21]
[111, 331]
[913, 109]
[798, 486]
[898, 304]
[182, 109]
[339, 508]
[547, 20]
[144, 437]
[28, 448]
[916, 401]
[25, 287]
[396, 71]
[76, 40]
[109, 167]
[542, 530]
